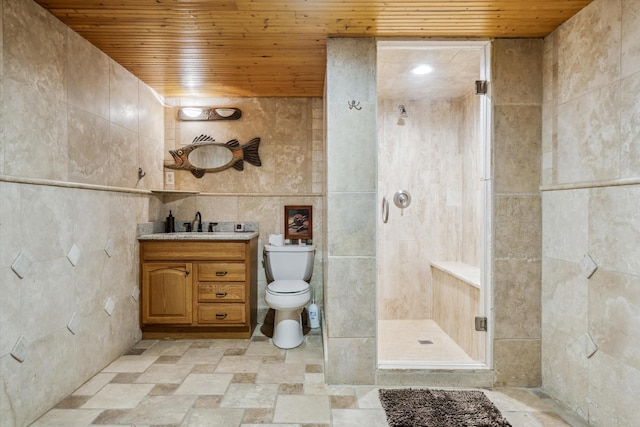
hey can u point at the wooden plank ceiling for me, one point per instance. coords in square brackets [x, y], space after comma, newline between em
[261, 48]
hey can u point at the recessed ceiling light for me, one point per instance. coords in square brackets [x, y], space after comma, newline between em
[422, 69]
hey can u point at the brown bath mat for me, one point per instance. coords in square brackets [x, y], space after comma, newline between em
[440, 408]
[269, 319]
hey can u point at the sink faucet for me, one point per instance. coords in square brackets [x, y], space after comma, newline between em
[197, 219]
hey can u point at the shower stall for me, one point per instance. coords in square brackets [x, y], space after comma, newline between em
[433, 182]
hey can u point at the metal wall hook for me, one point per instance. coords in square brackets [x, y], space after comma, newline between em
[141, 173]
[352, 104]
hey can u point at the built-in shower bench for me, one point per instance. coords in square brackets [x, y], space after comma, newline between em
[456, 303]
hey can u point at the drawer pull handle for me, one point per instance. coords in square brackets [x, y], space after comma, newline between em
[221, 294]
[221, 316]
[221, 273]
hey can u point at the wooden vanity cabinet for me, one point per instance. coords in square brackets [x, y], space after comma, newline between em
[198, 288]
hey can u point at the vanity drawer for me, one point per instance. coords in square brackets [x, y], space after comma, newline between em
[221, 292]
[221, 272]
[159, 250]
[221, 313]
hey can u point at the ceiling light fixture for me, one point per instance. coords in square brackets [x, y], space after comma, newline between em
[422, 69]
[208, 113]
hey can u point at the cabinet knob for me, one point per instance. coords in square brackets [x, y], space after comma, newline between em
[187, 272]
[221, 273]
[221, 294]
[221, 316]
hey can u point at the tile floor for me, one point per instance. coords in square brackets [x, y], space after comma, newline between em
[398, 343]
[246, 383]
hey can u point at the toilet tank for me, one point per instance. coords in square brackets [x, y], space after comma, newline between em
[289, 262]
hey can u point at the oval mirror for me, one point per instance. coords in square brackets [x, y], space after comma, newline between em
[210, 157]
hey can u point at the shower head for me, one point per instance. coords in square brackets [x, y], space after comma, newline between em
[403, 112]
[403, 115]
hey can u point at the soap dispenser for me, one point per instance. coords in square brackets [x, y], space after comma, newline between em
[170, 226]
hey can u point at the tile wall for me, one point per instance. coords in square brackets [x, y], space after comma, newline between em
[516, 95]
[436, 157]
[292, 171]
[352, 214]
[75, 128]
[590, 206]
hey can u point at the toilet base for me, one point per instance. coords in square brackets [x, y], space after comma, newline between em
[287, 329]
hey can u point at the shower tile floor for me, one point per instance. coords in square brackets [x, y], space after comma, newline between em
[399, 343]
[247, 383]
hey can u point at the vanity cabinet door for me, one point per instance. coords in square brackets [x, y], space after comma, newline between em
[167, 292]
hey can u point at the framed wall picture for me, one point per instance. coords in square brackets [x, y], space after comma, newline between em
[297, 222]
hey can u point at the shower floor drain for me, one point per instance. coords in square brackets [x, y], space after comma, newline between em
[425, 341]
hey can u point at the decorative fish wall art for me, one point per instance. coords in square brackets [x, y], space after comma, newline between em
[205, 155]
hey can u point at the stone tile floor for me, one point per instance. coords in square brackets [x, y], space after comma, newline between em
[246, 383]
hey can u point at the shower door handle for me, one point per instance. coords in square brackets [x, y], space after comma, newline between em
[385, 210]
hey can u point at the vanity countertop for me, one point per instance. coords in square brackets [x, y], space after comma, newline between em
[194, 235]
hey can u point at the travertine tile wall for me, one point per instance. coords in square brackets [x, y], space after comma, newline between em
[591, 146]
[352, 213]
[292, 171]
[434, 156]
[71, 119]
[350, 289]
[516, 96]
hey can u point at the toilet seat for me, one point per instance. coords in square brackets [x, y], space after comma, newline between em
[288, 287]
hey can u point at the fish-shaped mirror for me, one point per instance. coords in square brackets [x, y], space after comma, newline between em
[205, 155]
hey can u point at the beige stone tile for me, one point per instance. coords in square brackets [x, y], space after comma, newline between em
[121, 156]
[160, 410]
[195, 356]
[516, 400]
[351, 360]
[565, 225]
[123, 96]
[250, 396]
[516, 294]
[118, 396]
[92, 386]
[515, 62]
[589, 49]
[302, 409]
[211, 401]
[87, 161]
[348, 61]
[220, 417]
[204, 384]
[264, 348]
[352, 289]
[126, 378]
[606, 403]
[72, 402]
[34, 148]
[169, 348]
[130, 364]
[35, 50]
[239, 364]
[588, 150]
[305, 355]
[517, 226]
[613, 244]
[630, 36]
[163, 389]
[110, 417]
[517, 362]
[354, 139]
[165, 374]
[244, 378]
[359, 417]
[614, 315]
[630, 126]
[257, 416]
[281, 373]
[517, 148]
[291, 389]
[67, 418]
[88, 77]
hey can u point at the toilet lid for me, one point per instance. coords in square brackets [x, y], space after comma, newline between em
[288, 286]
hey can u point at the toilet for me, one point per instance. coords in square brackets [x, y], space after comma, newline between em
[288, 269]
